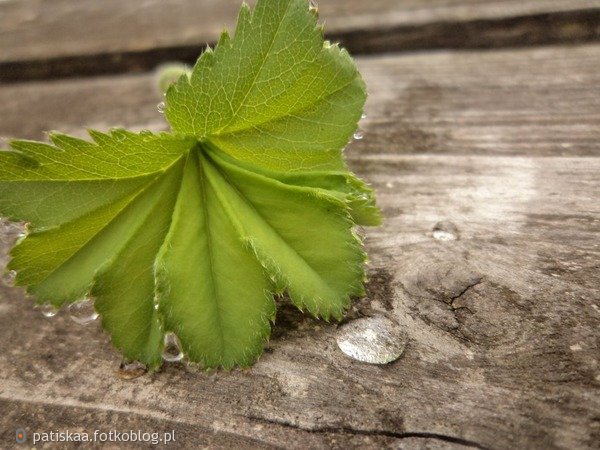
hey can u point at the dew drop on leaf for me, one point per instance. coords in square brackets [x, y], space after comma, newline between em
[364, 116]
[161, 107]
[359, 135]
[172, 349]
[47, 310]
[83, 311]
[374, 340]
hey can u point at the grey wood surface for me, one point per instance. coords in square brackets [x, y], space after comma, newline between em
[530, 102]
[503, 344]
[52, 38]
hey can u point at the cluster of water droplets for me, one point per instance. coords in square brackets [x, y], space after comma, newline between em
[81, 312]
[359, 133]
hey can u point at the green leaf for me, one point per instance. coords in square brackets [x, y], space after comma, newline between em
[194, 232]
[275, 95]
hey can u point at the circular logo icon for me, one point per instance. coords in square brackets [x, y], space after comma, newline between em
[20, 435]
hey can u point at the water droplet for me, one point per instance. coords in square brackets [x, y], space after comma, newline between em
[161, 107]
[364, 116]
[47, 310]
[172, 349]
[8, 279]
[374, 340]
[445, 231]
[359, 135]
[83, 311]
[128, 370]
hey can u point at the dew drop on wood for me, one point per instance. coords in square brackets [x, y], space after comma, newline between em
[373, 340]
[445, 231]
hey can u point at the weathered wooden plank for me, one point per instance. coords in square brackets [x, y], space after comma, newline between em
[32, 29]
[538, 102]
[42, 39]
[503, 328]
[502, 322]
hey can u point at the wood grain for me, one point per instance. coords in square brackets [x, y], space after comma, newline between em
[527, 102]
[42, 39]
[502, 322]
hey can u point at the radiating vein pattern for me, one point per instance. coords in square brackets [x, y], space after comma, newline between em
[277, 95]
[194, 232]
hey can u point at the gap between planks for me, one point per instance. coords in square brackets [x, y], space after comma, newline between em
[180, 31]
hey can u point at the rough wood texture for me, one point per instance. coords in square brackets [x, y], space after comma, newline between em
[527, 102]
[503, 352]
[88, 37]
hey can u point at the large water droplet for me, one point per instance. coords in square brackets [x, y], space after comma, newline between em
[172, 349]
[359, 135]
[445, 231]
[161, 107]
[47, 310]
[374, 340]
[128, 370]
[83, 311]
[8, 279]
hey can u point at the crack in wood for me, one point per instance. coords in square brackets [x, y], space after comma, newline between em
[461, 294]
[372, 432]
